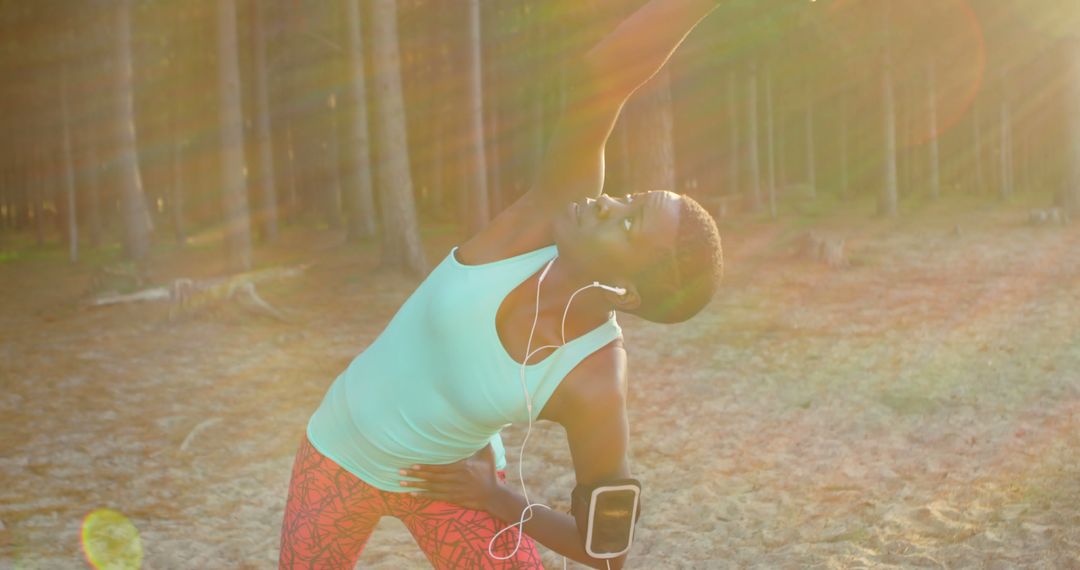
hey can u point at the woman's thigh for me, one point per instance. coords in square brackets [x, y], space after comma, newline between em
[452, 536]
[329, 515]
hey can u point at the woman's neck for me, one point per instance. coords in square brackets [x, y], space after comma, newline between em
[588, 309]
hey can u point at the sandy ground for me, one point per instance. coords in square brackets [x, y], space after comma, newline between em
[920, 408]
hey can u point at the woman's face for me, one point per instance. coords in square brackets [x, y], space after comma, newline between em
[612, 238]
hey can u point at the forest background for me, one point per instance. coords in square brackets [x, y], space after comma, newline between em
[889, 372]
[146, 122]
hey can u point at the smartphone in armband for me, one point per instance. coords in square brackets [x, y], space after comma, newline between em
[612, 514]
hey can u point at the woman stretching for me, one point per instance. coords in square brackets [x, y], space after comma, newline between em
[410, 428]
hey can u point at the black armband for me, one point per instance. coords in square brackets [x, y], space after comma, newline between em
[606, 514]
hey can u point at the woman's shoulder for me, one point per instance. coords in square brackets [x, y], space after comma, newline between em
[598, 380]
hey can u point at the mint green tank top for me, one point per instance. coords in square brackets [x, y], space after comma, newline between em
[437, 384]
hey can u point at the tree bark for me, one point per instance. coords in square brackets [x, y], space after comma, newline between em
[478, 210]
[1006, 187]
[401, 247]
[935, 159]
[69, 167]
[845, 177]
[25, 160]
[496, 88]
[291, 170]
[1071, 189]
[331, 163]
[652, 143]
[5, 191]
[264, 178]
[234, 190]
[888, 204]
[85, 109]
[124, 161]
[22, 193]
[360, 203]
[40, 188]
[91, 169]
[811, 155]
[733, 134]
[179, 230]
[752, 131]
[980, 179]
[770, 141]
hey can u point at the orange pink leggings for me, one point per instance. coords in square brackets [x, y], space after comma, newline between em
[330, 513]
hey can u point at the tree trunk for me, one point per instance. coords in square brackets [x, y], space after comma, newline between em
[539, 135]
[401, 237]
[494, 146]
[844, 174]
[782, 167]
[85, 110]
[179, 231]
[234, 190]
[290, 170]
[124, 161]
[733, 134]
[23, 205]
[935, 158]
[264, 178]
[1024, 180]
[904, 112]
[770, 142]
[40, 189]
[1006, 187]
[331, 164]
[888, 204]
[5, 191]
[980, 180]
[1071, 189]
[92, 171]
[69, 168]
[752, 143]
[811, 155]
[360, 204]
[652, 143]
[6, 188]
[478, 211]
[496, 84]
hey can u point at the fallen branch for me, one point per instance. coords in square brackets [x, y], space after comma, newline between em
[155, 294]
[187, 294]
[263, 306]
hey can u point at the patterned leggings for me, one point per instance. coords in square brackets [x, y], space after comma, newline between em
[331, 513]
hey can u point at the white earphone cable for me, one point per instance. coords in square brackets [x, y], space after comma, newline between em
[526, 513]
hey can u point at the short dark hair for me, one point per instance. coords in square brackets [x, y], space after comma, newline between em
[681, 282]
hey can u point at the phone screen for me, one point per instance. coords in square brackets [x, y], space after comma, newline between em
[613, 521]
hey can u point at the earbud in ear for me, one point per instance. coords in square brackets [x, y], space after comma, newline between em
[617, 290]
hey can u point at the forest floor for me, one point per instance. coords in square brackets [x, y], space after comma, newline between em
[918, 408]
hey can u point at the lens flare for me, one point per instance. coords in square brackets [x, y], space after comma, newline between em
[110, 541]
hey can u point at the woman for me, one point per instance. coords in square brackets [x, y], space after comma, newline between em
[410, 429]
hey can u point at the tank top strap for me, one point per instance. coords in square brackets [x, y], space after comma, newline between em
[537, 256]
[505, 274]
[549, 373]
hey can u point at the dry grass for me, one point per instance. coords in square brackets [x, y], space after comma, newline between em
[917, 409]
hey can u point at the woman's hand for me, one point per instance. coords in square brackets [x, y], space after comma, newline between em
[471, 482]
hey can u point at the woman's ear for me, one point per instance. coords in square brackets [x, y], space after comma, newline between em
[628, 301]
